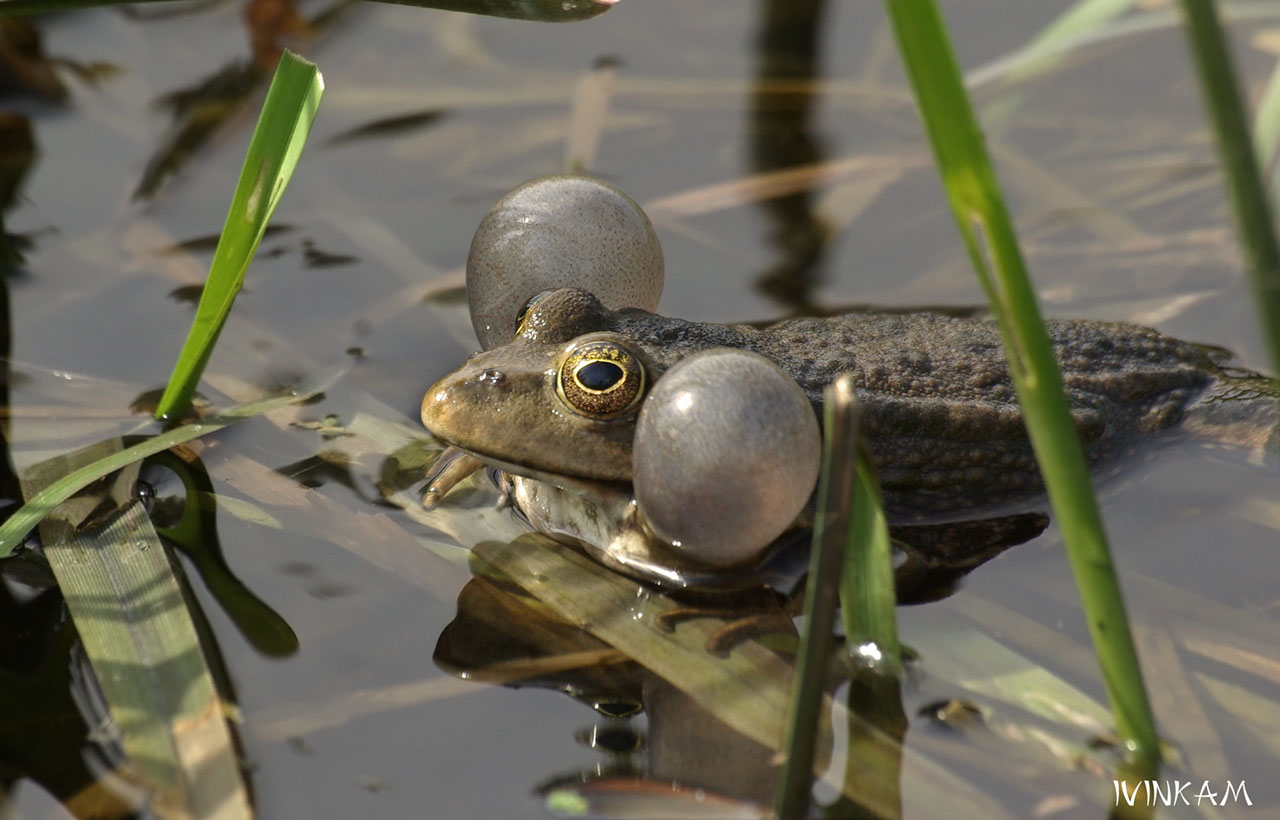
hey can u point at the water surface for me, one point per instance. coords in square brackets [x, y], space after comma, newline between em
[1111, 177]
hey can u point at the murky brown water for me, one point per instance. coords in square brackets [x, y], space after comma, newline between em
[1111, 176]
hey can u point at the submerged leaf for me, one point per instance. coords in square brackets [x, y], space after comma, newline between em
[130, 613]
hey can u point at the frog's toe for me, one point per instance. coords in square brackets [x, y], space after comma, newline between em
[453, 465]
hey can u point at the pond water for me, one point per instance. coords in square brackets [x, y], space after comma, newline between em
[428, 117]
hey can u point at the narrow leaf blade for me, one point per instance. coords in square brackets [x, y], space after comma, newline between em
[273, 154]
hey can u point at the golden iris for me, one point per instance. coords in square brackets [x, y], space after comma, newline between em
[600, 378]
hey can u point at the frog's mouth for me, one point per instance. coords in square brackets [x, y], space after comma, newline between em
[556, 479]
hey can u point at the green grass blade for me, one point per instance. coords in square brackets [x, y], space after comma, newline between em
[1266, 128]
[851, 556]
[42, 503]
[1137, 23]
[989, 238]
[868, 585]
[813, 662]
[129, 611]
[1236, 150]
[1083, 17]
[868, 599]
[273, 154]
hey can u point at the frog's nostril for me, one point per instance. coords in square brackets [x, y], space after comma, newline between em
[494, 377]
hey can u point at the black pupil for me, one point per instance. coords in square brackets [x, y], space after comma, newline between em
[599, 375]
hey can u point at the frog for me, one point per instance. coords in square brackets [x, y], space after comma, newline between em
[686, 453]
[939, 412]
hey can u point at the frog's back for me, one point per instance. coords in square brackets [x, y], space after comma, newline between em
[939, 408]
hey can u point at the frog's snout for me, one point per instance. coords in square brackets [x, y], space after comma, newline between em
[436, 397]
[446, 403]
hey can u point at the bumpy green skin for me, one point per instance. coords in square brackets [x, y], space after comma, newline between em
[939, 408]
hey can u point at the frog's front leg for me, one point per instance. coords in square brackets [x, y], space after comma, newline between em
[453, 465]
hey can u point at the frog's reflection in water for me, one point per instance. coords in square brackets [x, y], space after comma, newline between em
[677, 752]
[658, 743]
[932, 558]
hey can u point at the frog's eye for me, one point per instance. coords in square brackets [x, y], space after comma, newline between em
[600, 379]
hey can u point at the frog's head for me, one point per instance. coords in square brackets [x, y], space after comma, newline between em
[725, 453]
[723, 456]
[560, 399]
